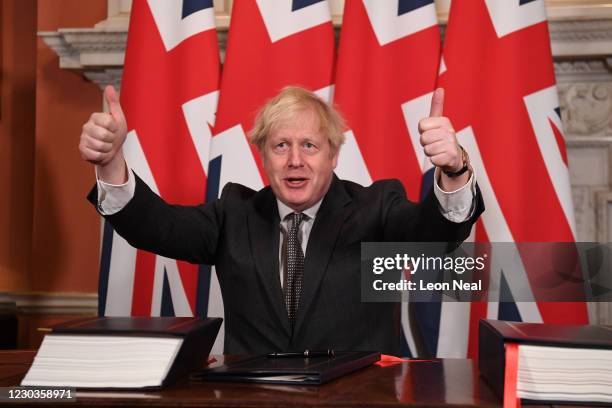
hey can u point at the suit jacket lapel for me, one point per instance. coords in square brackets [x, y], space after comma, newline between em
[321, 243]
[264, 231]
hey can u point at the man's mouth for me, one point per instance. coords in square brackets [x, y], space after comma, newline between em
[295, 182]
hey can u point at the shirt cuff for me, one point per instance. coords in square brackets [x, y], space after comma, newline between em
[456, 206]
[113, 197]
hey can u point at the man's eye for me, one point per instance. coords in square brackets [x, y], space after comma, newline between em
[281, 146]
[309, 146]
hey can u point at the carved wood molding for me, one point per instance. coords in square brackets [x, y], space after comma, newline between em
[53, 303]
[581, 38]
[587, 108]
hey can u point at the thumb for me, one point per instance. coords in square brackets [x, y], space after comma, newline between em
[437, 103]
[112, 100]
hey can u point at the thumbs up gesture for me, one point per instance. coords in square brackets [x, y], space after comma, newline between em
[438, 137]
[102, 138]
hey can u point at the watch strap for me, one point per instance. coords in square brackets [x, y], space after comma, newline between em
[466, 165]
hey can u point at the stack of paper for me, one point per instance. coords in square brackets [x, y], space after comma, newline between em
[99, 361]
[564, 374]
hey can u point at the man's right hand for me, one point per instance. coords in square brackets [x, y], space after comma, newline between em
[102, 138]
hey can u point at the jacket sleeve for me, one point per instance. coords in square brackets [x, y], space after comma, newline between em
[423, 221]
[189, 233]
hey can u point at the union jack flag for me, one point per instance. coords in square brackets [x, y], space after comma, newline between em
[501, 98]
[385, 77]
[169, 96]
[271, 44]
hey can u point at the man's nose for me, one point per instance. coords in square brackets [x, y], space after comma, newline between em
[295, 157]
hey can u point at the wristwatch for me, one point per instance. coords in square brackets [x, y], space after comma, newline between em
[466, 165]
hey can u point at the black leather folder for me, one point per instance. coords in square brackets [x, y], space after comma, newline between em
[290, 370]
[494, 334]
[198, 336]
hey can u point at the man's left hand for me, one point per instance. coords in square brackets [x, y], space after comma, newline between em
[440, 144]
[438, 137]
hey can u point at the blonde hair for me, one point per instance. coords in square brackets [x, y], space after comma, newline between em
[289, 101]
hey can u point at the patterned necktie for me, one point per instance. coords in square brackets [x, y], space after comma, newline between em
[294, 258]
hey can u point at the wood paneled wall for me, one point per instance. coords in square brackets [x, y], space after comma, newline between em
[17, 118]
[48, 232]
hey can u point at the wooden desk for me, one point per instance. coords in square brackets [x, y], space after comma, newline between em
[441, 383]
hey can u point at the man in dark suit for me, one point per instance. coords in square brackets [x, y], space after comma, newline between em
[288, 256]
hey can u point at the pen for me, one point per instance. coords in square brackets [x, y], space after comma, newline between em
[303, 354]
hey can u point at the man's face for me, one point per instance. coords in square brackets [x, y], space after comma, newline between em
[298, 161]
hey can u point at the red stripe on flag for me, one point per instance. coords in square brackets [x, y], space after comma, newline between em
[560, 141]
[143, 283]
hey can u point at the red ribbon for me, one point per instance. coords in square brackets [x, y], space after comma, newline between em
[511, 400]
[387, 360]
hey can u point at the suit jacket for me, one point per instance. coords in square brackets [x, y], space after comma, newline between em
[239, 234]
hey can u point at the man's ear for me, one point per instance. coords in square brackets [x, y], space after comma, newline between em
[335, 153]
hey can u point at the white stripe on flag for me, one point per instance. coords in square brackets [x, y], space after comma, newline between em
[281, 21]
[389, 26]
[351, 165]
[326, 93]
[137, 161]
[414, 110]
[493, 218]
[180, 303]
[173, 28]
[237, 162]
[498, 231]
[540, 106]
[454, 333]
[215, 309]
[120, 278]
[442, 68]
[405, 320]
[510, 16]
[199, 114]
[454, 329]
